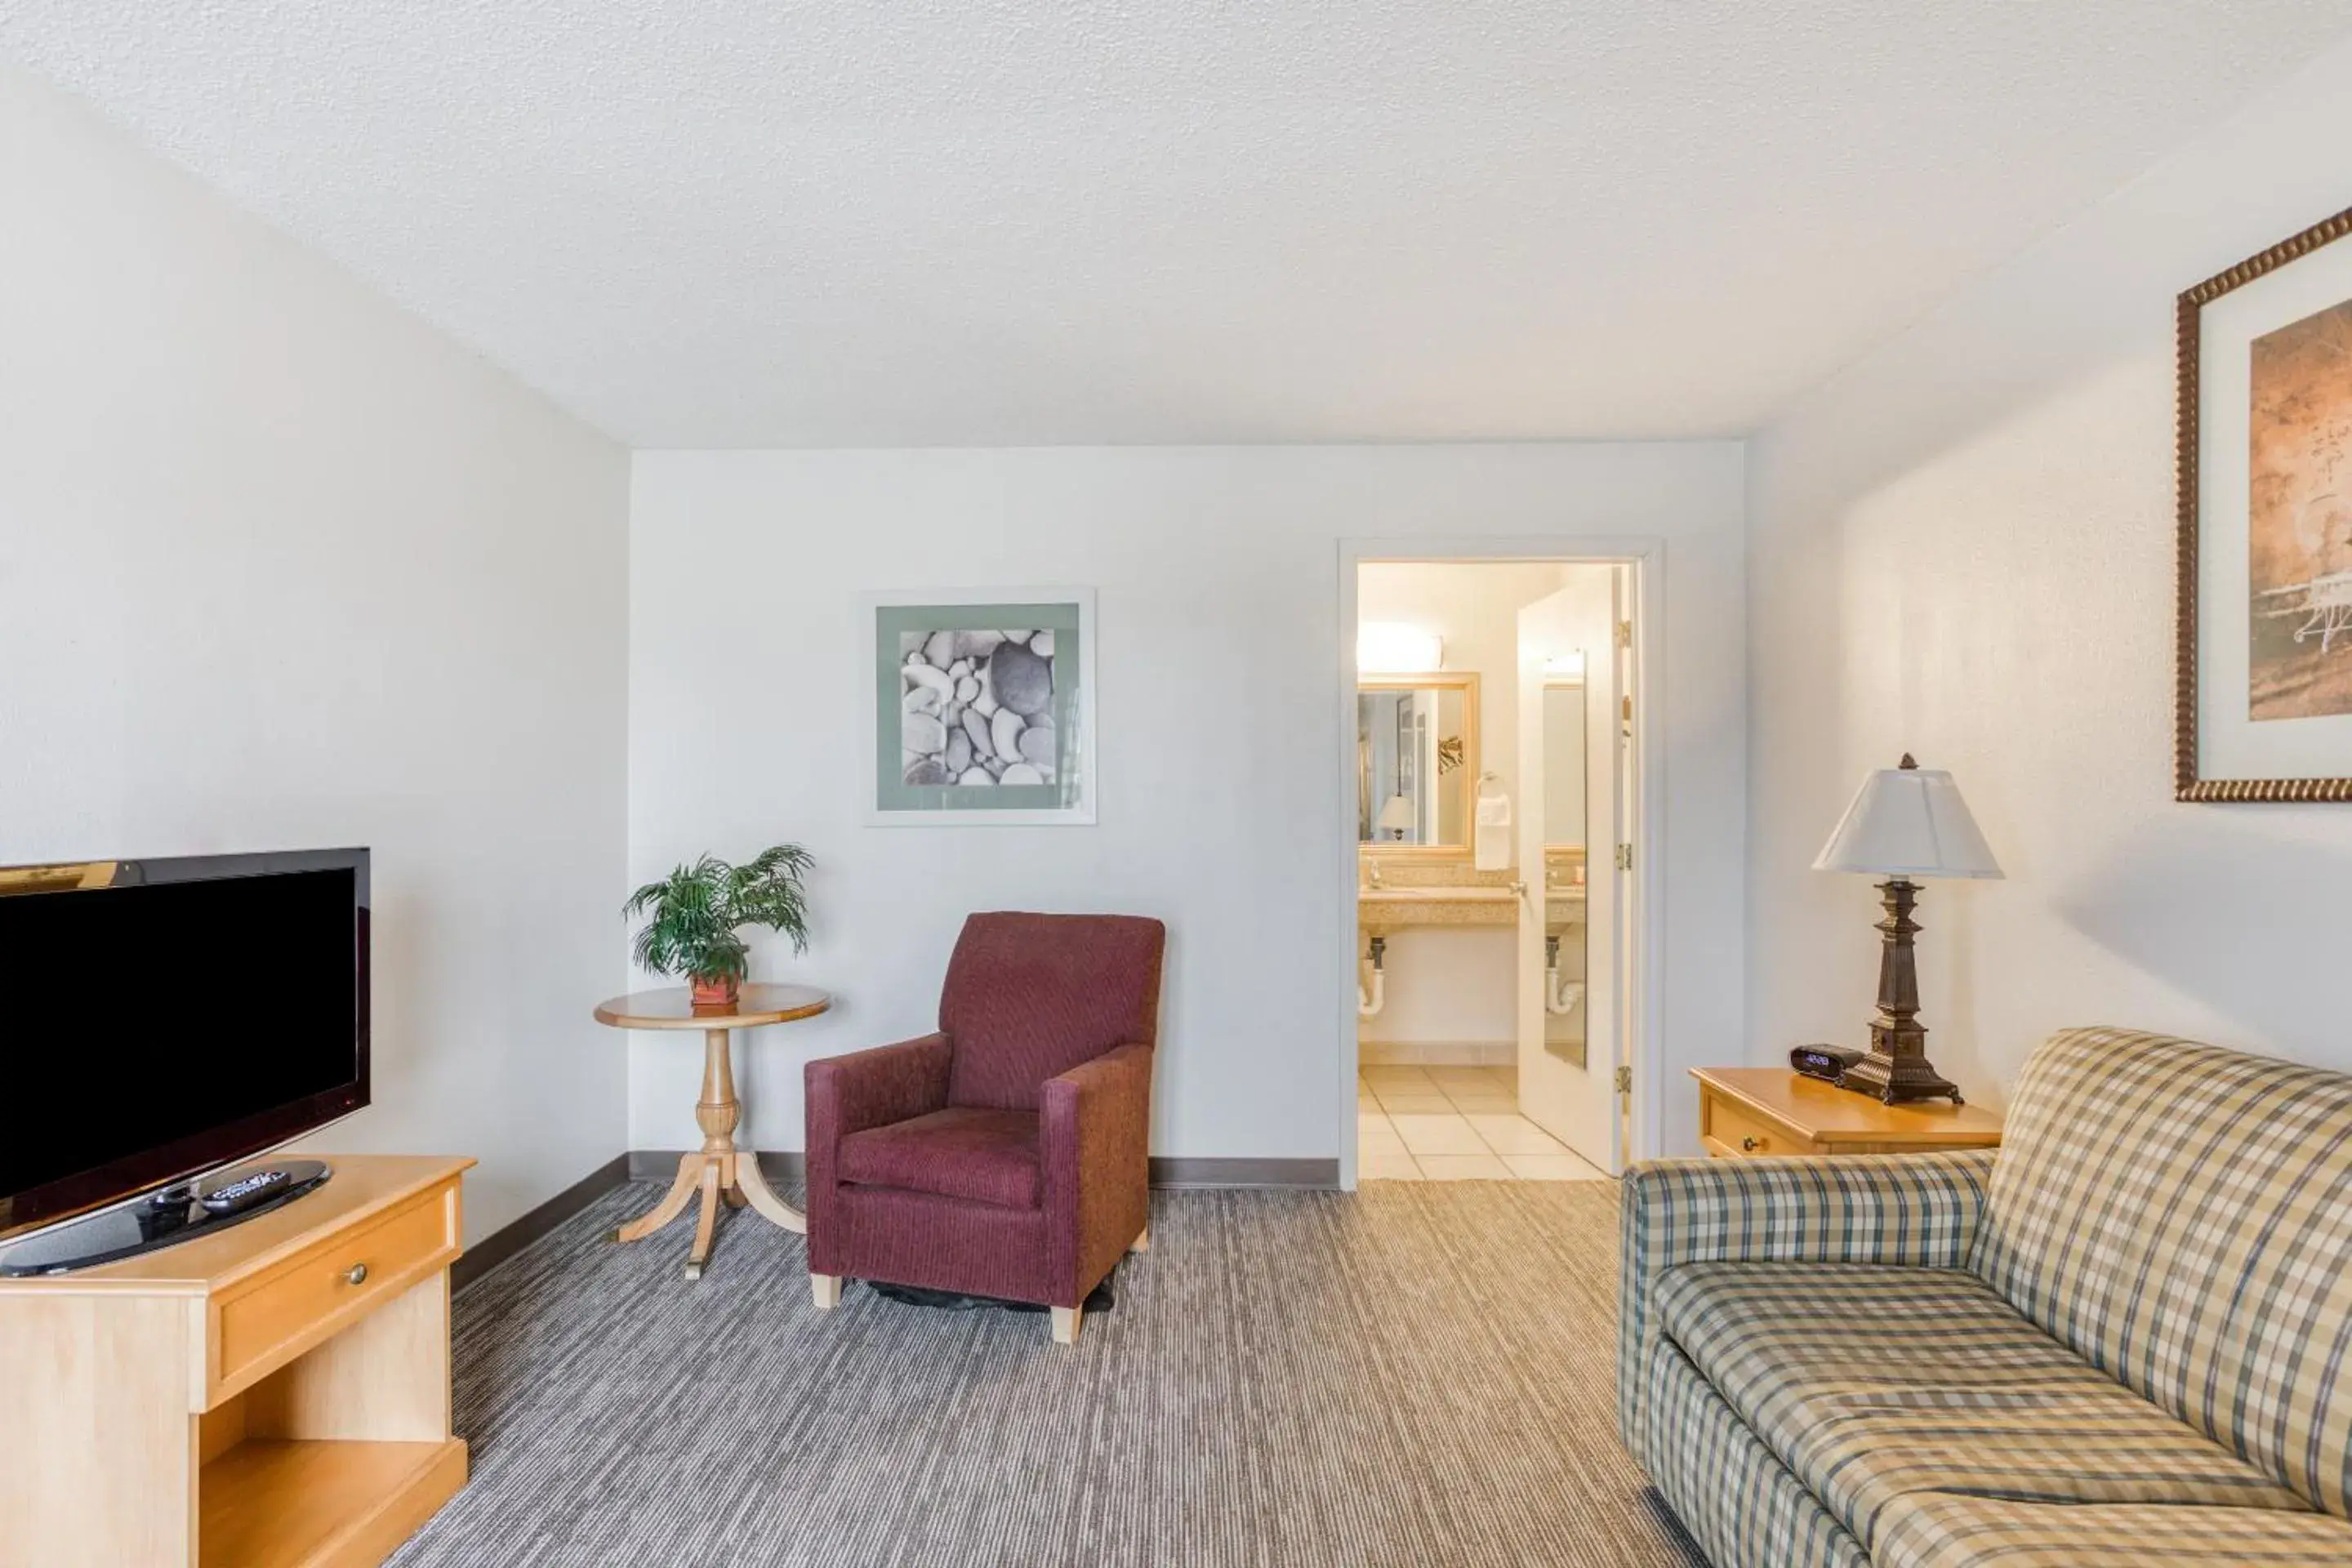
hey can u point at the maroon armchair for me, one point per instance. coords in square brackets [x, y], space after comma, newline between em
[1008, 1155]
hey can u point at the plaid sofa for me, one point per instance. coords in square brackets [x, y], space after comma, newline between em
[2125, 1338]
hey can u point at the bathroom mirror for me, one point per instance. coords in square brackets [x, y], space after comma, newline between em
[1416, 761]
[1563, 729]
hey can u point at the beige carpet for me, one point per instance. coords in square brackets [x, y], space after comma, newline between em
[1422, 1374]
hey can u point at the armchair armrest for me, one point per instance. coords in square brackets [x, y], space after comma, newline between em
[1094, 1130]
[875, 1087]
[1915, 1210]
[865, 1089]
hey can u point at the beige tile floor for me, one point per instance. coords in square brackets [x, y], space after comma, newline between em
[1453, 1124]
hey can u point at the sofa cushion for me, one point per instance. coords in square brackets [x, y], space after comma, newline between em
[1731, 1492]
[2182, 1217]
[963, 1151]
[1932, 1530]
[1872, 1383]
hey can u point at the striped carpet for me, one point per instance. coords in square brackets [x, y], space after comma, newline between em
[1422, 1374]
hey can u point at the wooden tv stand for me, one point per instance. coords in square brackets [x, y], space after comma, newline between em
[272, 1395]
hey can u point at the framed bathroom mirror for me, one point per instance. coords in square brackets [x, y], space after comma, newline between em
[1416, 762]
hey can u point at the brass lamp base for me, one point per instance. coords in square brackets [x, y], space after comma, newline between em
[1898, 1067]
[1889, 1079]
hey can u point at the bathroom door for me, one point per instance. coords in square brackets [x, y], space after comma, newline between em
[1567, 645]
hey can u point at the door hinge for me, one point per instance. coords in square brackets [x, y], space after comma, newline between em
[1625, 633]
[1624, 1080]
[1624, 857]
[1625, 707]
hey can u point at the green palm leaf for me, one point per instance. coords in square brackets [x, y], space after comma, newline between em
[696, 912]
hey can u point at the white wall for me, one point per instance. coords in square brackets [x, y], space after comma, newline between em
[1963, 546]
[283, 567]
[1219, 647]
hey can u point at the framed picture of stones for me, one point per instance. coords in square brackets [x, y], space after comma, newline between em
[983, 708]
[2263, 667]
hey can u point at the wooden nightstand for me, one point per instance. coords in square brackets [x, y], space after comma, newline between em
[1773, 1110]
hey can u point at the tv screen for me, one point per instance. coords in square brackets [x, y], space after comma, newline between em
[161, 1017]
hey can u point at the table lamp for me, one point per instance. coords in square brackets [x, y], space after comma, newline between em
[1397, 815]
[1904, 822]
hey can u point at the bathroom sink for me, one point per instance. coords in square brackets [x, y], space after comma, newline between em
[1379, 910]
[1563, 908]
[1382, 910]
[1436, 895]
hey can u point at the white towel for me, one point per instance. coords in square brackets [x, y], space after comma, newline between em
[1491, 839]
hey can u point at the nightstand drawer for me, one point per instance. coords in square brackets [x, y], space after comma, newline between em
[318, 1290]
[1731, 1130]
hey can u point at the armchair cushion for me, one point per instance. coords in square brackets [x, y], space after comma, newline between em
[963, 1151]
[1030, 996]
[1873, 1384]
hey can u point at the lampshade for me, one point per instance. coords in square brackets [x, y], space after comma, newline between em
[1397, 815]
[1908, 822]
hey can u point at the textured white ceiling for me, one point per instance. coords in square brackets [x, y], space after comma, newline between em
[948, 222]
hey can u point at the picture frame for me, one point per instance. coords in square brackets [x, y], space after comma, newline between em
[2262, 683]
[981, 712]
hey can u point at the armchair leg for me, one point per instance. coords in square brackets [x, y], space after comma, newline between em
[1142, 1242]
[1066, 1324]
[826, 1288]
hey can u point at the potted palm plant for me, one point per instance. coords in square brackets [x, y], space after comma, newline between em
[697, 910]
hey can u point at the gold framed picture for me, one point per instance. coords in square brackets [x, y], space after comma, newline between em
[2264, 678]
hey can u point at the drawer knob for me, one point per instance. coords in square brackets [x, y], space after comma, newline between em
[1747, 1146]
[355, 1275]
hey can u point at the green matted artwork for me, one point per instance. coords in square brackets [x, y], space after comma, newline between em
[983, 708]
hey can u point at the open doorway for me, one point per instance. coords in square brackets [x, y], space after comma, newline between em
[1493, 788]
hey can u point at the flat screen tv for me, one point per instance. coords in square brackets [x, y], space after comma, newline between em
[160, 1019]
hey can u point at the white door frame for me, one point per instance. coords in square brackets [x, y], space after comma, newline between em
[1646, 554]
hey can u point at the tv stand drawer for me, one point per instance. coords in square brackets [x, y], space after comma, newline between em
[269, 1320]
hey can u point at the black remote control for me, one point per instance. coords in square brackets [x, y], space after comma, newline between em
[243, 1192]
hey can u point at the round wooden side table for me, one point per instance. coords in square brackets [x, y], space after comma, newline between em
[718, 1171]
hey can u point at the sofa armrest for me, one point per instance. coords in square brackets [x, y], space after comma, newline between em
[863, 1090]
[1915, 1210]
[1095, 1144]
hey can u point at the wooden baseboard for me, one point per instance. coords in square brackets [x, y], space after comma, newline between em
[790, 1166]
[1181, 1170]
[508, 1239]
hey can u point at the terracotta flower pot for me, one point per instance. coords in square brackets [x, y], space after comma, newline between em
[716, 990]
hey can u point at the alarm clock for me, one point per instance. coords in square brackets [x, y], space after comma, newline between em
[1827, 1063]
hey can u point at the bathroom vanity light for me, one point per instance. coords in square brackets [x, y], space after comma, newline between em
[1392, 647]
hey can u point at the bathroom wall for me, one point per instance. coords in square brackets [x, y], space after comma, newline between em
[1449, 992]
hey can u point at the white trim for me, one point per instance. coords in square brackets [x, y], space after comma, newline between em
[1081, 814]
[1646, 554]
